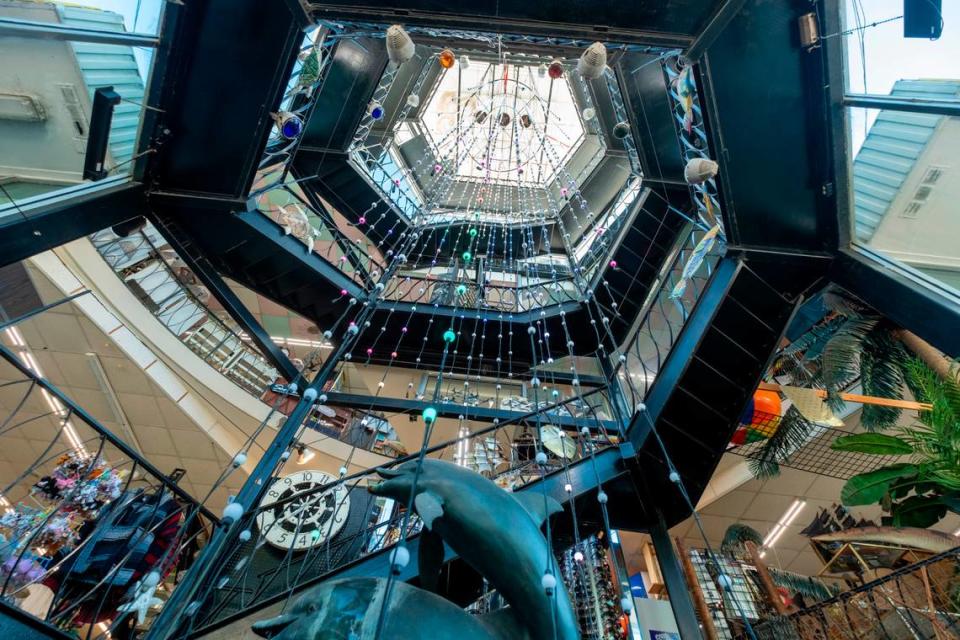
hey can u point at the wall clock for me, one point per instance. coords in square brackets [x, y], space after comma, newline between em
[303, 522]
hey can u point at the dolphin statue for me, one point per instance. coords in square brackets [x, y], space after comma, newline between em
[495, 532]
[349, 609]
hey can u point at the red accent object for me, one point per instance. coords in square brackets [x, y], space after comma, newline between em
[555, 70]
[765, 405]
[739, 436]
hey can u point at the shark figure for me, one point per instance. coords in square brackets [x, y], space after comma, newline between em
[495, 532]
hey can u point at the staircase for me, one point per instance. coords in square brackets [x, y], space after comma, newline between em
[703, 386]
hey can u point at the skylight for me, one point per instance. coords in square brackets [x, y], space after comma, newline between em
[504, 123]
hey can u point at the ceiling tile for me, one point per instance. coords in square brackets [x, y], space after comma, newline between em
[141, 410]
[733, 504]
[154, 440]
[767, 506]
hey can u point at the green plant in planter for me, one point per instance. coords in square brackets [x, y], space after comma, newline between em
[918, 493]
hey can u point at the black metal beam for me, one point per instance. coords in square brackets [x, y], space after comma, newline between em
[35, 225]
[914, 105]
[17, 623]
[451, 410]
[909, 299]
[205, 271]
[508, 21]
[677, 589]
[714, 27]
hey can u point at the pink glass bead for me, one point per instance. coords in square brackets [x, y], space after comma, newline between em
[403, 330]
[563, 192]
[393, 354]
[369, 352]
[613, 264]
[362, 220]
[343, 292]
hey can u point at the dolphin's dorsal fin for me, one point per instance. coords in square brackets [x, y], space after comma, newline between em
[429, 508]
[430, 559]
[538, 508]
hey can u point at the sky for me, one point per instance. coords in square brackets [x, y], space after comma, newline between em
[891, 57]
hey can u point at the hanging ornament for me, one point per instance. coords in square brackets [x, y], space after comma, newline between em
[699, 170]
[593, 61]
[375, 110]
[465, 62]
[555, 70]
[525, 121]
[542, 70]
[413, 101]
[621, 130]
[400, 47]
[446, 59]
[504, 119]
[449, 336]
[467, 256]
[289, 124]
[589, 113]
[429, 415]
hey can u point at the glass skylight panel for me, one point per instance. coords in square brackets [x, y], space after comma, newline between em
[502, 123]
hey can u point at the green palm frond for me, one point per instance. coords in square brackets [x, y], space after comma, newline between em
[882, 360]
[841, 356]
[792, 433]
[810, 588]
[735, 537]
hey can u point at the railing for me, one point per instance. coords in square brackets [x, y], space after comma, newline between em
[663, 316]
[88, 520]
[919, 601]
[166, 286]
[311, 527]
[418, 289]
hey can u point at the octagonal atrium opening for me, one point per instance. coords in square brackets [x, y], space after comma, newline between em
[507, 122]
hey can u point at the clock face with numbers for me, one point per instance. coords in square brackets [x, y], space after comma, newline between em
[307, 521]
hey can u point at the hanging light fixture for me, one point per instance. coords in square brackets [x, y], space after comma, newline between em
[592, 61]
[400, 47]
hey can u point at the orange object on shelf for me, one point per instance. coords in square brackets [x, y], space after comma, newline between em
[446, 58]
[765, 405]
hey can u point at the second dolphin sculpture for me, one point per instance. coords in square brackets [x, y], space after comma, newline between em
[495, 532]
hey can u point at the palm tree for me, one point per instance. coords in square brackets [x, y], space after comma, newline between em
[920, 492]
[852, 344]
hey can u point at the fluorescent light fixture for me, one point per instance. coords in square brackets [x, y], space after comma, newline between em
[785, 521]
[55, 407]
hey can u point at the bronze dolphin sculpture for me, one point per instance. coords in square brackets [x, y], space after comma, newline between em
[495, 532]
[349, 609]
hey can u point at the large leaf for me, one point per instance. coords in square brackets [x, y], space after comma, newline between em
[872, 443]
[918, 511]
[870, 487]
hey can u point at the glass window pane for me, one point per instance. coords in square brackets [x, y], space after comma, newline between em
[132, 16]
[906, 183]
[46, 99]
[888, 55]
